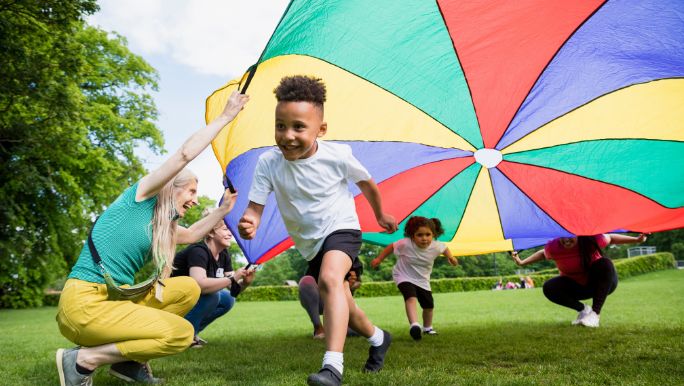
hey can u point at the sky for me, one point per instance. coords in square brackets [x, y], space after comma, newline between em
[196, 46]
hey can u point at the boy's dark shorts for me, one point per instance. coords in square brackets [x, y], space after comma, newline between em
[410, 290]
[344, 240]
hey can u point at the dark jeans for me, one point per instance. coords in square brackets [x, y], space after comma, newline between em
[209, 307]
[602, 282]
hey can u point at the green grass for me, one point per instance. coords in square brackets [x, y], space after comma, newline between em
[502, 338]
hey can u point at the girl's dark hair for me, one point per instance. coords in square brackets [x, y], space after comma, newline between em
[416, 222]
[301, 88]
[587, 246]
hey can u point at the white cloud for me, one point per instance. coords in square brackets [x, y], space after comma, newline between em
[213, 37]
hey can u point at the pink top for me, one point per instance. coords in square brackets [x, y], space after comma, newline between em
[568, 260]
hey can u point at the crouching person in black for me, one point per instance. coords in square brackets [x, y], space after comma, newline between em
[209, 263]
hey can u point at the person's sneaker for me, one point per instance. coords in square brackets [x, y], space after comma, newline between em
[327, 376]
[197, 342]
[415, 332]
[429, 331]
[376, 355]
[131, 371]
[591, 319]
[581, 315]
[66, 366]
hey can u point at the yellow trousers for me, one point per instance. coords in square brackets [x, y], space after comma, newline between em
[142, 330]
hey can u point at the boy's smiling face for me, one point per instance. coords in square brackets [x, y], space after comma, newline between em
[297, 125]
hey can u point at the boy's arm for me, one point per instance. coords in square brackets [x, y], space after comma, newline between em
[200, 228]
[372, 193]
[248, 224]
[385, 252]
[452, 260]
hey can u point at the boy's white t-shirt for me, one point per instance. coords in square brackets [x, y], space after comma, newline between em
[313, 194]
[414, 264]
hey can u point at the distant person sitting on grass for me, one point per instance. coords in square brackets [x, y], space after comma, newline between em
[208, 262]
[416, 254]
[584, 272]
[126, 327]
[310, 298]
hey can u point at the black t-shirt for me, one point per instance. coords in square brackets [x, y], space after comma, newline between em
[199, 255]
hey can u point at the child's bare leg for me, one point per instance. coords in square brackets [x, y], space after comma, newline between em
[334, 267]
[427, 316]
[411, 312]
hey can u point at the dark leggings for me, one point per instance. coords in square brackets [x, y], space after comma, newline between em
[602, 282]
[310, 299]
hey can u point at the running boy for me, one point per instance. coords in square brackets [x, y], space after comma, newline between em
[309, 178]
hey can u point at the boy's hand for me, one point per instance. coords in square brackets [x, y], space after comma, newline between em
[235, 103]
[375, 262]
[453, 261]
[641, 238]
[228, 200]
[388, 223]
[247, 227]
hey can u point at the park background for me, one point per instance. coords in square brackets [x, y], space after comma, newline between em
[91, 99]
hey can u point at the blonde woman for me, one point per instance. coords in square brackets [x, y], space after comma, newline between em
[140, 224]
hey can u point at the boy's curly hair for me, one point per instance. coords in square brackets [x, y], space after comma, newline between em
[416, 222]
[301, 88]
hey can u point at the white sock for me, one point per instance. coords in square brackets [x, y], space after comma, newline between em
[415, 324]
[427, 328]
[334, 359]
[377, 338]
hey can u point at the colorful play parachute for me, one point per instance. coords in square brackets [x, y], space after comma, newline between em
[513, 122]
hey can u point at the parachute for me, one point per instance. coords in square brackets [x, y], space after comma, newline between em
[512, 122]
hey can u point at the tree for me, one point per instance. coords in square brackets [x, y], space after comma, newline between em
[74, 104]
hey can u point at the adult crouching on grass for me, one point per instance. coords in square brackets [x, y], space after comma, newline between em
[209, 263]
[584, 272]
[141, 224]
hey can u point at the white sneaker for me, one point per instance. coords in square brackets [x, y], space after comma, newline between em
[590, 320]
[581, 315]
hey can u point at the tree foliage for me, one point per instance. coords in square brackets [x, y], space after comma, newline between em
[74, 104]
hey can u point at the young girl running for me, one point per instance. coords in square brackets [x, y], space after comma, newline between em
[416, 254]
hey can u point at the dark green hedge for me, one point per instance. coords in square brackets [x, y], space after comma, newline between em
[625, 268]
[644, 264]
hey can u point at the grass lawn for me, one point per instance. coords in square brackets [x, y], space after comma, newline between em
[503, 338]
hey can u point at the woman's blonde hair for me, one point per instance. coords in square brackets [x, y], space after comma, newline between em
[164, 222]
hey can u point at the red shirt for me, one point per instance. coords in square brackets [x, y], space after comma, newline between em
[568, 260]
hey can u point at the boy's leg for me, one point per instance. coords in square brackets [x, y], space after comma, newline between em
[334, 292]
